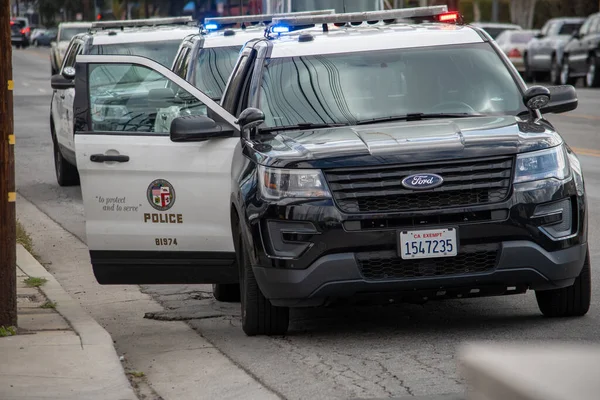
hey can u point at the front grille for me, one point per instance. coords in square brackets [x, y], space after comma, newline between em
[388, 265]
[380, 189]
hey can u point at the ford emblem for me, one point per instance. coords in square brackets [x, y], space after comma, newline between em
[422, 181]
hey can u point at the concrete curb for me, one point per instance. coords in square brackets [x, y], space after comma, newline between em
[88, 330]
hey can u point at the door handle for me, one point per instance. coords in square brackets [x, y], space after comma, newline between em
[106, 157]
[62, 96]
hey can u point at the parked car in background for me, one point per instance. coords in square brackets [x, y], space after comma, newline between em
[45, 38]
[513, 43]
[17, 37]
[544, 54]
[581, 57]
[66, 31]
[494, 29]
[24, 26]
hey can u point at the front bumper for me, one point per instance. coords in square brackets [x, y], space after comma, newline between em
[521, 264]
[307, 253]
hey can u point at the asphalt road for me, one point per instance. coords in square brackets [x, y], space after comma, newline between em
[351, 352]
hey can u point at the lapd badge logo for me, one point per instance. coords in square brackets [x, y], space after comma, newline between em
[161, 195]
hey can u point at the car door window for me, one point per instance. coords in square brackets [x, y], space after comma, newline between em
[131, 99]
[72, 53]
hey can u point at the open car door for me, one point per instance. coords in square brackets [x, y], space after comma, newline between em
[157, 210]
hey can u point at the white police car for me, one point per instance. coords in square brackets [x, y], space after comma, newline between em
[367, 158]
[157, 39]
[206, 59]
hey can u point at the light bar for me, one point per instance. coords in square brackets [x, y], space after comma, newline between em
[260, 18]
[141, 22]
[367, 16]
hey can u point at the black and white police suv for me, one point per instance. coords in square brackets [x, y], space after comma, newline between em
[390, 154]
[157, 39]
[206, 58]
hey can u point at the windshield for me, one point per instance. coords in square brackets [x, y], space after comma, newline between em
[68, 33]
[354, 87]
[161, 52]
[213, 69]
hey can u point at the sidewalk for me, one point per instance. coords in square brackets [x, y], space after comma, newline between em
[59, 353]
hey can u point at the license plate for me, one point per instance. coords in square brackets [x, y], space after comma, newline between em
[429, 243]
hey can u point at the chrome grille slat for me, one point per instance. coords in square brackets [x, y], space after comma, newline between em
[379, 189]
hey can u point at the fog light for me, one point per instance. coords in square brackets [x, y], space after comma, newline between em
[289, 239]
[556, 218]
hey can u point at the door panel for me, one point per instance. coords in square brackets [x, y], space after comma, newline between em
[156, 211]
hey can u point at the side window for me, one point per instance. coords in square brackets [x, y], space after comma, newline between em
[133, 99]
[233, 88]
[72, 52]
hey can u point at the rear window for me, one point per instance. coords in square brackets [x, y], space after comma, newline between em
[19, 22]
[494, 32]
[521, 37]
[162, 52]
[68, 33]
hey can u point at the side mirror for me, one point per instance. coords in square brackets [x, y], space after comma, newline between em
[69, 73]
[576, 35]
[59, 82]
[198, 128]
[539, 35]
[562, 99]
[536, 97]
[250, 118]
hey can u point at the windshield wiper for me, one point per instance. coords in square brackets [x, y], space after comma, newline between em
[416, 117]
[304, 125]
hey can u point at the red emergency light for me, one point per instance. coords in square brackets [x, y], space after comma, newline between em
[449, 17]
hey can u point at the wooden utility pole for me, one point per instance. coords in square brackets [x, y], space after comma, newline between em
[8, 259]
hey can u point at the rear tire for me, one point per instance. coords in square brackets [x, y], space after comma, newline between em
[572, 301]
[592, 78]
[227, 293]
[528, 74]
[66, 173]
[259, 316]
[565, 74]
[555, 70]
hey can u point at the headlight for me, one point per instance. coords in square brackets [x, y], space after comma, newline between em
[279, 183]
[544, 164]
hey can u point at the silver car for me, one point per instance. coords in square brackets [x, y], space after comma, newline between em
[544, 53]
[513, 43]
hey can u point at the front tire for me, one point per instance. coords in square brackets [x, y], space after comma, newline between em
[572, 301]
[227, 293]
[259, 316]
[66, 173]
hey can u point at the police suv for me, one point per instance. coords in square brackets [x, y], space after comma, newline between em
[157, 39]
[393, 155]
[206, 59]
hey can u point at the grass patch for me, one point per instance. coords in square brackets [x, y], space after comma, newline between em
[23, 238]
[49, 304]
[7, 331]
[32, 281]
[136, 374]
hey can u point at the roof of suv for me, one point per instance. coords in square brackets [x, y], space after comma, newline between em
[74, 25]
[142, 34]
[232, 37]
[373, 37]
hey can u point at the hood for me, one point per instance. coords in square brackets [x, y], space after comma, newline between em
[403, 142]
